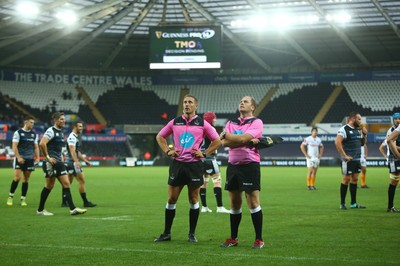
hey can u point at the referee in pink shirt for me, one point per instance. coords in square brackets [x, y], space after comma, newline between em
[186, 167]
[243, 172]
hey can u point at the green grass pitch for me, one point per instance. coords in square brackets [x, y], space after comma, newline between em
[301, 227]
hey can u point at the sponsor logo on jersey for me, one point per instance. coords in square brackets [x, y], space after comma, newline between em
[186, 140]
[238, 132]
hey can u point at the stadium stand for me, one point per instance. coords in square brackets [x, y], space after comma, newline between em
[345, 103]
[54, 96]
[286, 88]
[95, 91]
[13, 116]
[375, 95]
[221, 99]
[86, 115]
[293, 150]
[296, 105]
[133, 106]
[169, 93]
[106, 149]
[224, 99]
[292, 102]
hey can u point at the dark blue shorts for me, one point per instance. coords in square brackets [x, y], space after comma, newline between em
[29, 165]
[351, 168]
[54, 170]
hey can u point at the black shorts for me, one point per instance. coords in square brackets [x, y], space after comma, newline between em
[351, 168]
[394, 166]
[29, 165]
[210, 166]
[54, 170]
[72, 169]
[182, 173]
[244, 177]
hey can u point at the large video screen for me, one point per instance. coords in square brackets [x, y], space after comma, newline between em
[185, 47]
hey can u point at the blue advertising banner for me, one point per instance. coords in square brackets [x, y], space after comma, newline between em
[60, 78]
[137, 80]
[103, 138]
[378, 119]
[300, 137]
[87, 137]
[378, 137]
[385, 75]
[372, 137]
[6, 135]
[301, 77]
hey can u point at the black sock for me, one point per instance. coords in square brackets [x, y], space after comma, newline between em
[343, 192]
[193, 218]
[68, 198]
[83, 196]
[203, 197]
[24, 189]
[353, 193]
[391, 192]
[257, 219]
[235, 221]
[63, 198]
[43, 197]
[14, 185]
[169, 218]
[218, 196]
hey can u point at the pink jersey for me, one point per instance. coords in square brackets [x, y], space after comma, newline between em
[188, 135]
[244, 154]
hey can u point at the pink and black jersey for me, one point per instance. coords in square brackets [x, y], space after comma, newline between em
[188, 135]
[248, 125]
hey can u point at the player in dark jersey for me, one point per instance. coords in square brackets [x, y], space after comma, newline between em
[211, 169]
[26, 150]
[393, 142]
[73, 164]
[348, 142]
[53, 166]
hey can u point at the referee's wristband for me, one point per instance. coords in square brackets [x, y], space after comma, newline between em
[167, 152]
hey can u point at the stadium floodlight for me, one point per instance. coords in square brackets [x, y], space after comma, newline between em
[311, 19]
[343, 17]
[258, 22]
[339, 18]
[27, 9]
[281, 21]
[68, 17]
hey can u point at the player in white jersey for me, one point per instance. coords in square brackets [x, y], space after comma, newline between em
[393, 142]
[363, 161]
[384, 149]
[73, 164]
[312, 148]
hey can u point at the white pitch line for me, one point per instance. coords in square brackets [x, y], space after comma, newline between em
[115, 218]
[252, 255]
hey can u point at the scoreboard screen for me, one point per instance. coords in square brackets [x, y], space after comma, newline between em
[185, 47]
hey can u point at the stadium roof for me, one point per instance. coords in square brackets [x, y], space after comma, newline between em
[271, 36]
